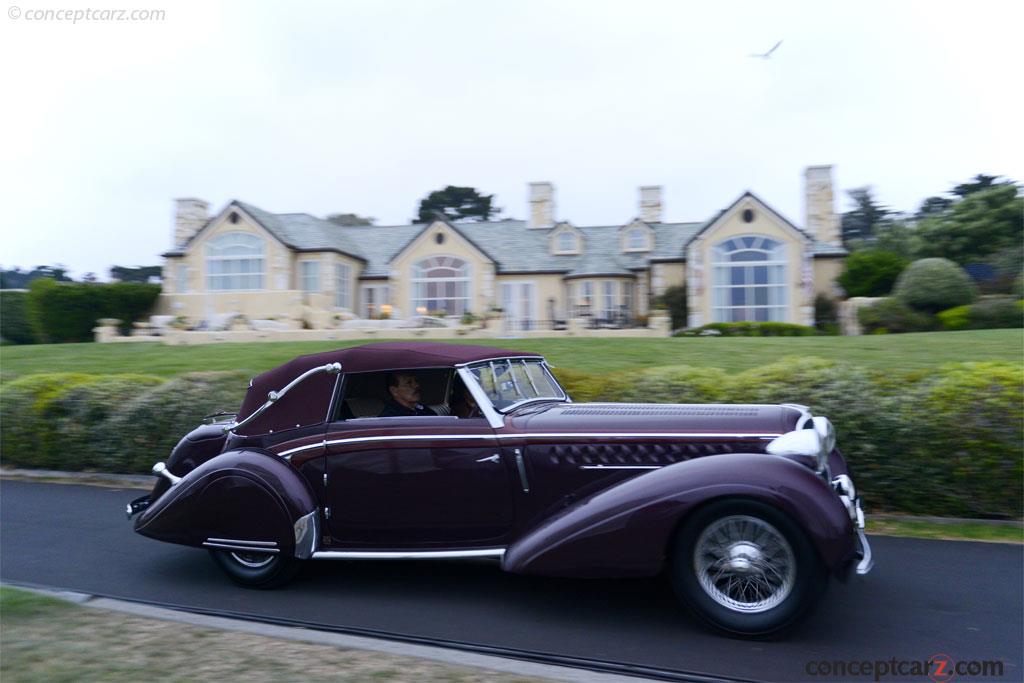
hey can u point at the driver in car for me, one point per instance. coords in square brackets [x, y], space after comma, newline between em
[404, 390]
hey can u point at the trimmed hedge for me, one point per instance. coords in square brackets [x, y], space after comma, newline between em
[945, 442]
[892, 316]
[935, 284]
[109, 423]
[67, 311]
[748, 329]
[988, 314]
[14, 325]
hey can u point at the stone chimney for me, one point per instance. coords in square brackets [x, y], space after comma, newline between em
[189, 216]
[542, 205]
[820, 220]
[650, 203]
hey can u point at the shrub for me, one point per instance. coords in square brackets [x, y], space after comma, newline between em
[871, 272]
[749, 329]
[957, 318]
[36, 410]
[891, 315]
[988, 314]
[145, 429]
[674, 300]
[826, 314]
[969, 463]
[67, 311]
[935, 284]
[14, 324]
[674, 384]
[128, 302]
[900, 434]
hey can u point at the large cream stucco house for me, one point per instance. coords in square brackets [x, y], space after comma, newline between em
[748, 262]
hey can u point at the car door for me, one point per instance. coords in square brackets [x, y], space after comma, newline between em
[417, 482]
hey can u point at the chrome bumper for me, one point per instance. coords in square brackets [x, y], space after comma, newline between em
[843, 486]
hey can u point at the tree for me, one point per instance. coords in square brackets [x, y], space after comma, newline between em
[862, 221]
[871, 272]
[977, 184]
[933, 206]
[350, 219]
[983, 223]
[134, 273]
[17, 278]
[457, 203]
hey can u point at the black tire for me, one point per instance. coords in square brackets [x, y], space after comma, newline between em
[256, 570]
[745, 568]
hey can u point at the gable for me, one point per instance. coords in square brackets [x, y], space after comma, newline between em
[232, 218]
[749, 214]
[439, 237]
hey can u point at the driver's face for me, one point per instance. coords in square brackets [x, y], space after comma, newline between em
[408, 390]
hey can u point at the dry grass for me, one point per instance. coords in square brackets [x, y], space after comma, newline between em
[43, 639]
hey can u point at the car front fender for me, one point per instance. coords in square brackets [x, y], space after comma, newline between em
[242, 500]
[628, 529]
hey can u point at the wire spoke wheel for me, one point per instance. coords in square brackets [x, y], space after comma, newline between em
[744, 564]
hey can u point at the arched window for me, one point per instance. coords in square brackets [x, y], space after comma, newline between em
[636, 239]
[567, 242]
[749, 280]
[440, 283]
[234, 261]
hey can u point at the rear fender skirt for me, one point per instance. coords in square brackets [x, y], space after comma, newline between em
[250, 497]
[626, 530]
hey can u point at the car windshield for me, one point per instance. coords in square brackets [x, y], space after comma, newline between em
[510, 382]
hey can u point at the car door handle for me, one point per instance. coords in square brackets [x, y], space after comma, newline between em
[490, 458]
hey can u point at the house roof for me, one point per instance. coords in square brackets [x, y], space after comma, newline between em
[511, 244]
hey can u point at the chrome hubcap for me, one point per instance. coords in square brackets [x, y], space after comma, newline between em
[744, 563]
[252, 560]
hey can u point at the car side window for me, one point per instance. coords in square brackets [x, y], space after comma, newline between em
[367, 394]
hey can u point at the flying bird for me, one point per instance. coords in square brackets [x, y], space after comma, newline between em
[768, 54]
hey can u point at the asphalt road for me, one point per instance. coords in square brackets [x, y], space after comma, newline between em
[962, 599]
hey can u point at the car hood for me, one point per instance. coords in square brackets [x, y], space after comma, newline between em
[702, 418]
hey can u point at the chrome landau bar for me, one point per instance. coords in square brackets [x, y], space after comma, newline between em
[274, 396]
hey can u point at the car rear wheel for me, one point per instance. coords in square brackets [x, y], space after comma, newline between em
[746, 568]
[256, 570]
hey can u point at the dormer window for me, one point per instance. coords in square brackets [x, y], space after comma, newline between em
[637, 239]
[567, 242]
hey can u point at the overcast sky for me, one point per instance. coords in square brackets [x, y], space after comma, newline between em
[366, 107]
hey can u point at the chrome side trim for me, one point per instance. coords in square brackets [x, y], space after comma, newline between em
[531, 435]
[236, 541]
[241, 548]
[307, 531]
[274, 396]
[406, 554]
[621, 467]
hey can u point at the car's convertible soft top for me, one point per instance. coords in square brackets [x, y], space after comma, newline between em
[311, 406]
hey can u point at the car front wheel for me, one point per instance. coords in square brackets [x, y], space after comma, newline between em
[256, 570]
[746, 568]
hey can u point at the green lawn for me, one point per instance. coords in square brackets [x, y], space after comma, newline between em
[890, 353]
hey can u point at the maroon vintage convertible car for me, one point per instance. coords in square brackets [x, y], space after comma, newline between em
[480, 453]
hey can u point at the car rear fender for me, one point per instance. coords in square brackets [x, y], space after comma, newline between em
[627, 529]
[247, 498]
